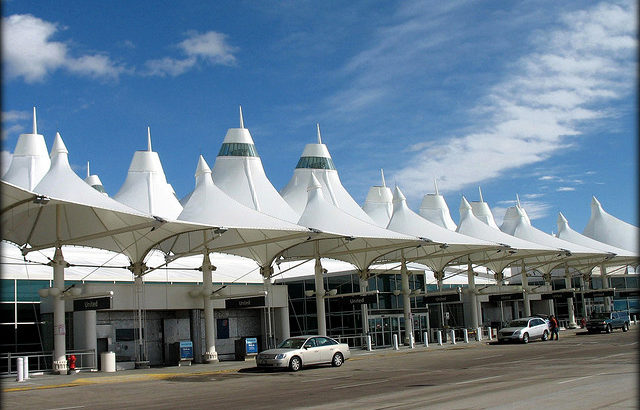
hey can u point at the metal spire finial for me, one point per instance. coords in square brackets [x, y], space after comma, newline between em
[384, 184]
[149, 139]
[241, 119]
[435, 184]
[35, 123]
[480, 192]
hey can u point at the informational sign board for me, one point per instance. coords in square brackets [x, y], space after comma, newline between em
[92, 303]
[355, 300]
[590, 294]
[443, 298]
[241, 303]
[186, 350]
[251, 345]
[557, 295]
[504, 297]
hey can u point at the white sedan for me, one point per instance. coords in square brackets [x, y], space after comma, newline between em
[299, 351]
[524, 329]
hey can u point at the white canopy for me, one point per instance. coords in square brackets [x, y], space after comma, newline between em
[434, 208]
[623, 256]
[359, 243]
[247, 232]
[316, 160]
[30, 160]
[146, 188]
[94, 181]
[379, 203]
[238, 171]
[517, 223]
[518, 249]
[451, 245]
[606, 228]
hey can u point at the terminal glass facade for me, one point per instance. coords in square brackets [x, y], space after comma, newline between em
[316, 163]
[237, 149]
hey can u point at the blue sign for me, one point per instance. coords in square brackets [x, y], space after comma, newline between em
[252, 345]
[186, 349]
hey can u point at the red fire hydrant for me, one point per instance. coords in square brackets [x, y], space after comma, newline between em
[72, 362]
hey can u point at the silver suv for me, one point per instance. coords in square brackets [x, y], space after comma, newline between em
[525, 329]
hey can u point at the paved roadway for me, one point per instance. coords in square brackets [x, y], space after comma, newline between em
[580, 371]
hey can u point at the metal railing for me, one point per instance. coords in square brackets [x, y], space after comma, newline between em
[40, 362]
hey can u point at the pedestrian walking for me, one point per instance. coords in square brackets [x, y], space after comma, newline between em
[553, 326]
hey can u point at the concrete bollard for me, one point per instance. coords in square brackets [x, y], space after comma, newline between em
[439, 337]
[634, 319]
[412, 342]
[479, 334]
[25, 371]
[369, 343]
[465, 333]
[395, 342]
[425, 336]
[490, 333]
[453, 337]
[20, 369]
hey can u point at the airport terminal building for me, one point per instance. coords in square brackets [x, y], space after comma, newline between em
[140, 272]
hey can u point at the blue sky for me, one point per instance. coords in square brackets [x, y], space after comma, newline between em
[526, 97]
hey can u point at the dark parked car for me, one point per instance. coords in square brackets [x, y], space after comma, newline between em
[607, 321]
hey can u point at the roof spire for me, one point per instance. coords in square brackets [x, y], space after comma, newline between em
[518, 201]
[319, 136]
[480, 192]
[35, 123]
[384, 184]
[149, 139]
[88, 172]
[241, 119]
[435, 184]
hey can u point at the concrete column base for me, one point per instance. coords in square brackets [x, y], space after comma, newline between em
[60, 367]
[211, 357]
[144, 364]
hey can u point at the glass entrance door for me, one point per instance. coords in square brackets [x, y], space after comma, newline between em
[382, 329]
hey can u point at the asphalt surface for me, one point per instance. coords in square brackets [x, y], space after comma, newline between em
[580, 371]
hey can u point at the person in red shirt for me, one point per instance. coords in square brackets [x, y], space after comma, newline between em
[553, 326]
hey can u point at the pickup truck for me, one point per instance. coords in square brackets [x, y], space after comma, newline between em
[607, 321]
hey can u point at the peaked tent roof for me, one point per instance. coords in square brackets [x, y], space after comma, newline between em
[519, 249]
[434, 208]
[451, 245]
[623, 256]
[248, 233]
[30, 160]
[146, 188]
[517, 223]
[94, 181]
[359, 243]
[316, 160]
[379, 203]
[238, 171]
[606, 228]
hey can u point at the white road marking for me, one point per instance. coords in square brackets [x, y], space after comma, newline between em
[487, 357]
[631, 344]
[477, 380]
[573, 380]
[323, 378]
[360, 384]
[65, 408]
[613, 355]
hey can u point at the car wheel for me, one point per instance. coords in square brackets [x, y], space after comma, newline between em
[545, 336]
[295, 364]
[525, 338]
[337, 360]
[625, 327]
[609, 329]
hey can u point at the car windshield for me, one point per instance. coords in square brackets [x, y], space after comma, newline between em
[293, 343]
[519, 323]
[602, 315]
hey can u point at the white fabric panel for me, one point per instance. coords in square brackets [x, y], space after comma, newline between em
[606, 228]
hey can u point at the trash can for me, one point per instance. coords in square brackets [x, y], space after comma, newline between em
[108, 361]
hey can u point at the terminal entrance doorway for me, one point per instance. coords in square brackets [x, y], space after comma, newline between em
[383, 327]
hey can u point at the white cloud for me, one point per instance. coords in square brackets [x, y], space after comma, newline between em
[540, 106]
[547, 178]
[10, 130]
[31, 54]
[565, 189]
[210, 48]
[13, 115]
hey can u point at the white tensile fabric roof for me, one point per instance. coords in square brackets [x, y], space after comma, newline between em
[606, 228]
[94, 182]
[249, 233]
[146, 188]
[379, 203]
[241, 175]
[450, 245]
[623, 256]
[517, 223]
[360, 243]
[434, 208]
[520, 249]
[316, 161]
[30, 160]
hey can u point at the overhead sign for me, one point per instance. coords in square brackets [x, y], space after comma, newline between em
[590, 294]
[630, 293]
[240, 303]
[355, 300]
[558, 295]
[92, 303]
[504, 297]
[443, 298]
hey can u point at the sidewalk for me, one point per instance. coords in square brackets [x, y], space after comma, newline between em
[49, 381]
